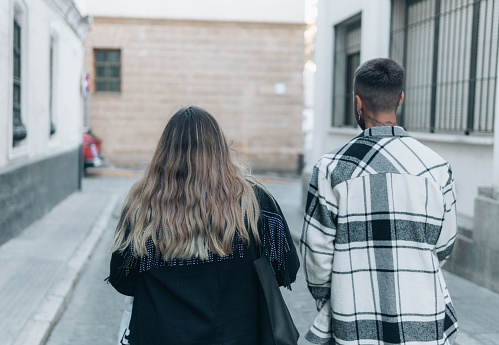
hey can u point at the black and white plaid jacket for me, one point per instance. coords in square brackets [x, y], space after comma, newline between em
[380, 221]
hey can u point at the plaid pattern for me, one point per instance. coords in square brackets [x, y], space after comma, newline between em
[380, 221]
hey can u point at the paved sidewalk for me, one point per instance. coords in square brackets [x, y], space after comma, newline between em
[41, 266]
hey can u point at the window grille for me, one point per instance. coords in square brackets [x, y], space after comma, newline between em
[449, 50]
[51, 87]
[346, 61]
[107, 70]
[19, 130]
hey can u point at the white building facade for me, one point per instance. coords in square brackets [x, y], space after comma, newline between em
[449, 50]
[41, 110]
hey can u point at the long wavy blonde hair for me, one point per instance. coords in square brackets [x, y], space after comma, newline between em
[193, 198]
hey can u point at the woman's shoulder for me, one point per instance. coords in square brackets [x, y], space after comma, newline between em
[261, 193]
[265, 199]
[258, 188]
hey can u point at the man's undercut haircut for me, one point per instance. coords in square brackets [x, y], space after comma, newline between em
[379, 84]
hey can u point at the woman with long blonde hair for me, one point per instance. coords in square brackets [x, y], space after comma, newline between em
[187, 238]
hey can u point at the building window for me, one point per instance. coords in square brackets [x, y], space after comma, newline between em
[19, 129]
[52, 92]
[346, 61]
[107, 70]
[449, 50]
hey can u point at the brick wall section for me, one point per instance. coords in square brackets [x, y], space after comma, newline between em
[228, 68]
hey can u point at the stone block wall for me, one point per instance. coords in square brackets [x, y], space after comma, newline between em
[476, 252]
[229, 68]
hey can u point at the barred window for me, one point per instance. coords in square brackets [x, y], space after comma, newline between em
[449, 50]
[19, 130]
[107, 70]
[346, 61]
[52, 85]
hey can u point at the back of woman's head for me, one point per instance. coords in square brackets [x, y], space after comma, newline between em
[194, 198]
[191, 148]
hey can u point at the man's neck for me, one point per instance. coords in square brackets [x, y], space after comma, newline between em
[380, 119]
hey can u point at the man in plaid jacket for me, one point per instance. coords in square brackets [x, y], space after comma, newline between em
[380, 221]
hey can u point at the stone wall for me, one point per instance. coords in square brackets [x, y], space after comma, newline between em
[31, 190]
[229, 68]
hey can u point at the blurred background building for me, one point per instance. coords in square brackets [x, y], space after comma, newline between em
[243, 61]
[449, 50]
[41, 113]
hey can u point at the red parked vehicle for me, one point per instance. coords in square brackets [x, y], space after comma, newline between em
[92, 151]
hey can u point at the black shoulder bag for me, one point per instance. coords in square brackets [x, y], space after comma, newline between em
[276, 324]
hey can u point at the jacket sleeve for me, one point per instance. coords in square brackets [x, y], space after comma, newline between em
[318, 235]
[448, 232]
[276, 239]
[292, 259]
[124, 273]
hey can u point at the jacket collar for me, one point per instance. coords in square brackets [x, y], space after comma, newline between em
[385, 131]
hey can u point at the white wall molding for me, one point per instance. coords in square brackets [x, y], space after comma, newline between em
[68, 10]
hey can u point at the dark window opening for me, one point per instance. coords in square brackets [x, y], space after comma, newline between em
[19, 130]
[51, 88]
[353, 61]
[346, 61]
[107, 70]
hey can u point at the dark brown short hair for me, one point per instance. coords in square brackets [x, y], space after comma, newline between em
[379, 83]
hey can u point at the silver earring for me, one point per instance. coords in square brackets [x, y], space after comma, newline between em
[359, 113]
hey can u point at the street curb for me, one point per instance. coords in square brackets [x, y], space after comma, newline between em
[40, 325]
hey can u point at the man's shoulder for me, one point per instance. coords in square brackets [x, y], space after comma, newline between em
[334, 161]
[350, 148]
[422, 153]
[324, 163]
[363, 156]
[340, 150]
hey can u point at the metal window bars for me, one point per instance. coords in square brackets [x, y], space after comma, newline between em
[449, 49]
[19, 131]
[52, 91]
[107, 70]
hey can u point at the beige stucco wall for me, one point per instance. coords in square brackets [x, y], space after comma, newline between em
[229, 68]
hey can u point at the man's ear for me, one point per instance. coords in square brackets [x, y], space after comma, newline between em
[358, 103]
[401, 100]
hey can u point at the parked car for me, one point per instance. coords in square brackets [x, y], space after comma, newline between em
[92, 150]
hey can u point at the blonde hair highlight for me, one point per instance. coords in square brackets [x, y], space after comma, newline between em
[194, 198]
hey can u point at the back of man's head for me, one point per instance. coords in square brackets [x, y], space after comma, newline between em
[379, 83]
